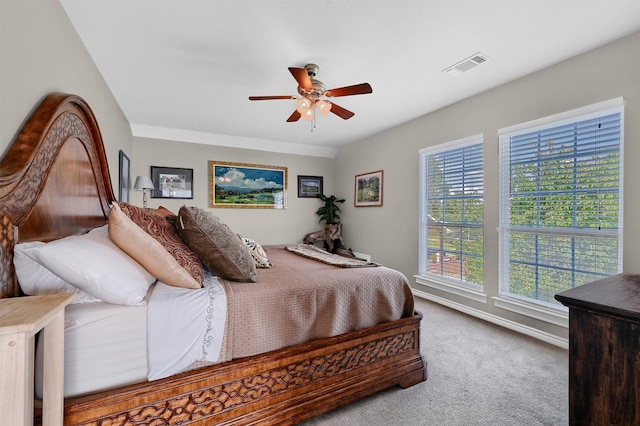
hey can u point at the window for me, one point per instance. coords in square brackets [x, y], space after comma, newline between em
[560, 203]
[451, 211]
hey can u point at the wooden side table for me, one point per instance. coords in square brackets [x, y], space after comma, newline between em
[20, 319]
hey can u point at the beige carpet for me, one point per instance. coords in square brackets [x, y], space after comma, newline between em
[479, 374]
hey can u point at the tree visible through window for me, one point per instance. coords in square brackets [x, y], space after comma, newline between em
[560, 205]
[451, 211]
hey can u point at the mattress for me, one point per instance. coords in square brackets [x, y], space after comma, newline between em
[105, 346]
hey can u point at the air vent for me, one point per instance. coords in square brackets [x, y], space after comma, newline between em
[466, 64]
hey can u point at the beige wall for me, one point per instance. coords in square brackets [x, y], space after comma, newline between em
[40, 52]
[390, 233]
[267, 226]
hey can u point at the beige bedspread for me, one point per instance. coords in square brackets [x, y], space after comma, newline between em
[301, 299]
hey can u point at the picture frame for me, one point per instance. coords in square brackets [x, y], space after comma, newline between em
[124, 184]
[369, 189]
[309, 186]
[172, 182]
[242, 185]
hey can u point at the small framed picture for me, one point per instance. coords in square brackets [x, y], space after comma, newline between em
[171, 182]
[125, 178]
[368, 190]
[309, 186]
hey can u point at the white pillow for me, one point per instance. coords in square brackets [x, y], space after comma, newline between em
[35, 279]
[94, 264]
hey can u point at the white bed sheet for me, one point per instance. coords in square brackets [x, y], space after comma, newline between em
[185, 326]
[113, 351]
[108, 346]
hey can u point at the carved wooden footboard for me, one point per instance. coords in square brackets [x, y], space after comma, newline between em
[54, 182]
[279, 387]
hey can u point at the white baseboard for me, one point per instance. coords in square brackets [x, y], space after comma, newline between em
[511, 325]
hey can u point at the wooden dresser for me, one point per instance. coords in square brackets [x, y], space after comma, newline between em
[604, 351]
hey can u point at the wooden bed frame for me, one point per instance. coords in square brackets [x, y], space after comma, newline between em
[54, 182]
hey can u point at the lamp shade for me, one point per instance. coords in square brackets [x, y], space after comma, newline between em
[143, 182]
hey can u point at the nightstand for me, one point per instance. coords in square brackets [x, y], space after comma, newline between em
[20, 319]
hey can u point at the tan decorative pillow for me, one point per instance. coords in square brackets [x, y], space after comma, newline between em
[147, 251]
[155, 223]
[220, 250]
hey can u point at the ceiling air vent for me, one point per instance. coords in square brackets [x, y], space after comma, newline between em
[466, 64]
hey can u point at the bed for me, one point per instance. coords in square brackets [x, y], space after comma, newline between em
[55, 183]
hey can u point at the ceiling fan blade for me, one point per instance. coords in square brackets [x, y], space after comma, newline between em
[267, 98]
[302, 77]
[345, 114]
[358, 89]
[294, 117]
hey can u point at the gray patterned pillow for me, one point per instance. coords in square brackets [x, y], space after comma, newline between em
[257, 252]
[219, 249]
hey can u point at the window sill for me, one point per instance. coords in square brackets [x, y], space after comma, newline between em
[467, 292]
[547, 315]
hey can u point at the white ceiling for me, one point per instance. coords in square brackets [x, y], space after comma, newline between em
[184, 70]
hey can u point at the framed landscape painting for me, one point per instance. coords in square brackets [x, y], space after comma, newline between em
[309, 186]
[241, 185]
[368, 190]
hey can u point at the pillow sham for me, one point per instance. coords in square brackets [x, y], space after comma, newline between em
[147, 251]
[219, 249]
[154, 222]
[35, 279]
[93, 263]
[257, 252]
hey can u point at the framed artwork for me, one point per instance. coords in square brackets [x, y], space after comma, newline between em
[309, 186]
[171, 182]
[368, 190]
[124, 166]
[240, 185]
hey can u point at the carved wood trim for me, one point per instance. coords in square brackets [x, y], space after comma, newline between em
[266, 385]
[8, 282]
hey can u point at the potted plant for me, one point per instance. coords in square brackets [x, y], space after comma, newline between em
[329, 212]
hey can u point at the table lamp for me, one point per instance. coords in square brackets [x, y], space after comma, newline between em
[144, 183]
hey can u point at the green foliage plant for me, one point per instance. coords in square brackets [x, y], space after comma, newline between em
[329, 212]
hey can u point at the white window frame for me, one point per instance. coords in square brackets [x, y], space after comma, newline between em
[473, 291]
[552, 313]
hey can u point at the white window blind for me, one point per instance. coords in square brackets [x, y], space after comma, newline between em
[561, 205]
[451, 210]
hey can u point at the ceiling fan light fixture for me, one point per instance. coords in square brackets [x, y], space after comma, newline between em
[311, 91]
[308, 114]
[324, 107]
[303, 105]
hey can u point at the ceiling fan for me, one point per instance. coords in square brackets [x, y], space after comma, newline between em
[311, 92]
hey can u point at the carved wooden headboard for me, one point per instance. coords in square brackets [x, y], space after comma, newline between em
[54, 180]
